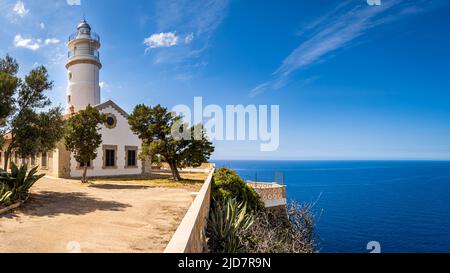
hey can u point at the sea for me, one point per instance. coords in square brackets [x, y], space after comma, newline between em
[365, 206]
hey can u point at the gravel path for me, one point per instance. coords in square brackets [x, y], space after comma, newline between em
[66, 216]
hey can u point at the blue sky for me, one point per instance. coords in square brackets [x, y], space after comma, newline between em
[353, 81]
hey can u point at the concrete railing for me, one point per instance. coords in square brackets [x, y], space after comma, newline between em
[272, 194]
[190, 235]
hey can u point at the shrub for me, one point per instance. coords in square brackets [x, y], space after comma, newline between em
[15, 186]
[228, 185]
[238, 221]
[229, 221]
[273, 232]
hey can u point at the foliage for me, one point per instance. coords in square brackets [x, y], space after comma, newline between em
[165, 135]
[228, 222]
[37, 132]
[227, 184]
[33, 127]
[82, 136]
[8, 87]
[282, 231]
[15, 186]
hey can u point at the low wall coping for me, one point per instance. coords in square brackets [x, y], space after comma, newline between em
[181, 240]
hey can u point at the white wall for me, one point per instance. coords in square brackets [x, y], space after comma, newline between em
[121, 136]
[84, 87]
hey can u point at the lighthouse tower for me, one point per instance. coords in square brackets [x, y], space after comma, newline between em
[83, 67]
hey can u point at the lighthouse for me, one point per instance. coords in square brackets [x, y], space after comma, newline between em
[83, 68]
[118, 152]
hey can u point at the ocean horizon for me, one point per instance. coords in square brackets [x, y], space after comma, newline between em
[404, 205]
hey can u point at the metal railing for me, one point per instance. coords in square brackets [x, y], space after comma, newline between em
[94, 36]
[257, 176]
[93, 53]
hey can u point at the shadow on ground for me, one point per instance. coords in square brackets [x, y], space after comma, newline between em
[51, 204]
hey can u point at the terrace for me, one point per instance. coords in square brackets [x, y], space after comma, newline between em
[109, 215]
[272, 194]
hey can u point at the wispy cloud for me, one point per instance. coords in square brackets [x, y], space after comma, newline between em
[19, 9]
[335, 31]
[73, 2]
[52, 41]
[194, 22]
[189, 38]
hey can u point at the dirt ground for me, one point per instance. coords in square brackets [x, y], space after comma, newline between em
[66, 216]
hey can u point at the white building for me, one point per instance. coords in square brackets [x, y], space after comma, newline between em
[118, 153]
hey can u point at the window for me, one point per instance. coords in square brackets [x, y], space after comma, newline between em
[111, 121]
[109, 157]
[70, 73]
[131, 157]
[69, 99]
[44, 160]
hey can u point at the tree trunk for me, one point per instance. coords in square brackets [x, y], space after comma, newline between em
[84, 179]
[175, 172]
[7, 158]
[5, 165]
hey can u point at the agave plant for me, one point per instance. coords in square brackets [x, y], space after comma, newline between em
[228, 222]
[16, 185]
[5, 195]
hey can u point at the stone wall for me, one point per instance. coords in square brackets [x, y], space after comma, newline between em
[190, 237]
[64, 161]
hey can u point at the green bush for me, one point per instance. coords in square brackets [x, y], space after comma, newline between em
[228, 185]
[239, 223]
[15, 186]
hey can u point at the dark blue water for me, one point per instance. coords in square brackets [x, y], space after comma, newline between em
[404, 205]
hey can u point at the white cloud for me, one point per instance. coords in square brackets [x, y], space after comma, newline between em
[189, 38]
[167, 39]
[74, 2]
[102, 85]
[51, 41]
[19, 9]
[31, 44]
[42, 25]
